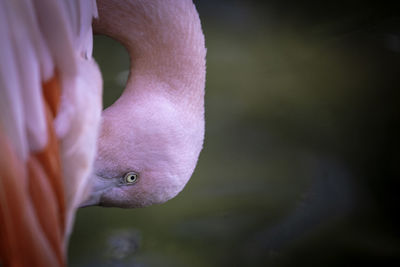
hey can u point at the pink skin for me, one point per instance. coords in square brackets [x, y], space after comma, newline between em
[156, 128]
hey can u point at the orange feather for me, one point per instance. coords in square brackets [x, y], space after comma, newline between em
[32, 201]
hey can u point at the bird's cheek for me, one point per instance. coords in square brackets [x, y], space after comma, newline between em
[116, 197]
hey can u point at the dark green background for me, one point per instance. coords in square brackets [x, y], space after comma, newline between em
[300, 165]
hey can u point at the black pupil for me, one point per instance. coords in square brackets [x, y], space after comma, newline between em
[131, 178]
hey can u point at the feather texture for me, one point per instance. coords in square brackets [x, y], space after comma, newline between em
[50, 105]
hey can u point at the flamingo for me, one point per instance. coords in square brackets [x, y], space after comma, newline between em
[59, 151]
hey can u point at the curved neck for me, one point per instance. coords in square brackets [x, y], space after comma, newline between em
[166, 47]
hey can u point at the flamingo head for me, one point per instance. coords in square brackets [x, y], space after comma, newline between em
[145, 157]
[151, 137]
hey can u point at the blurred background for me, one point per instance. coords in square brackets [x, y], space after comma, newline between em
[300, 165]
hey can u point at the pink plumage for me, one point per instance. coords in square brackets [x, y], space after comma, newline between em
[51, 125]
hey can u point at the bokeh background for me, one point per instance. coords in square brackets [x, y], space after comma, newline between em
[300, 165]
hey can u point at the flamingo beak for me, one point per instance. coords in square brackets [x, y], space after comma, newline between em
[100, 185]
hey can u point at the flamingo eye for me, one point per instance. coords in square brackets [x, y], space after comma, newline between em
[131, 178]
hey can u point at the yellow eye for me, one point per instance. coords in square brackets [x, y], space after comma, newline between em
[131, 177]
